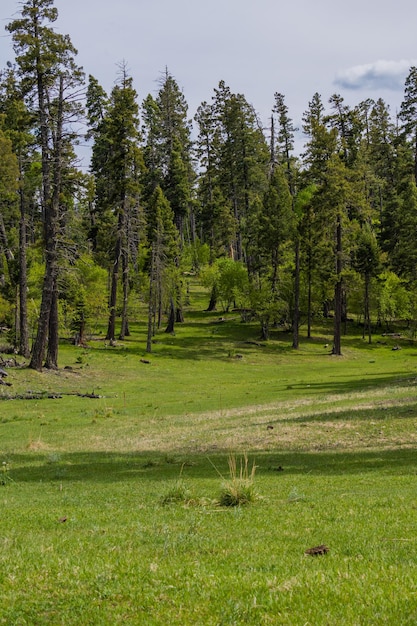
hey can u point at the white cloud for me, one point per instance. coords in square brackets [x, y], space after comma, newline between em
[378, 75]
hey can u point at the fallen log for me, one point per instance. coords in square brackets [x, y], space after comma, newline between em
[45, 395]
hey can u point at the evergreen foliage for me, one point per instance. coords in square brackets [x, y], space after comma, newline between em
[283, 237]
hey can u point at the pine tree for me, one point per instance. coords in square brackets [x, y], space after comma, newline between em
[342, 119]
[163, 240]
[242, 160]
[321, 143]
[367, 263]
[9, 185]
[404, 251]
[408, 114]
[168, 156]
[168, 148]
[333, 200]
[215, 221]
[285, 147]
[117, 166]
[18, 124]
[50, 78]
[275, 221]
[317, 243]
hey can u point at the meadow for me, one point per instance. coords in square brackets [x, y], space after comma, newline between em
[110, 508]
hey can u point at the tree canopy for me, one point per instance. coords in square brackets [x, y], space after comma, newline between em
[286, 238]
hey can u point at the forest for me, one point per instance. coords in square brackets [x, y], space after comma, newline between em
[284, 238]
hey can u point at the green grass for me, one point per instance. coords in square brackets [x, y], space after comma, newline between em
[109, 507]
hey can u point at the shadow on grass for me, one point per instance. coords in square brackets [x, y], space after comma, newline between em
[197, 341]
[215, 335]
[200, 339]
[356, 383]
[364, 415]
[105, 467]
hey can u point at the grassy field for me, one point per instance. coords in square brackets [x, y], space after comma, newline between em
[109, 506]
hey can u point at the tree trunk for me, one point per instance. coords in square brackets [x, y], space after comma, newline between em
[158, 318]
[309, 274]
[296, 317]
[111, 328]
[309, 313]
[171, 319]
[264, 330]
[338, 292]
[23, 284]
[337, 334]
[4, 244]
[179, 313]
[49, 291]
[51, 361]
[124, 331]
[213, 300]
[39, 346]
[79, 339]
[367, 316]
[150, 323]
[274, 279]
[151, 307]
[53, 331]
[344, 313]
[415, 156]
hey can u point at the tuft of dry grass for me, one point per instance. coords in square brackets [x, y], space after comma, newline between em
[239, 488]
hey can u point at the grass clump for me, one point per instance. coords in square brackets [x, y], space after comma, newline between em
[5, 477]
[296, 496]
[239, 488]
[178, 492]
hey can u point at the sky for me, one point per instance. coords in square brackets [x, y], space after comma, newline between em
[359, 49]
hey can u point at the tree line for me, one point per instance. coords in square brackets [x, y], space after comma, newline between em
[285, 238]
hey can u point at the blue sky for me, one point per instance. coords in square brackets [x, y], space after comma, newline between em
[359, 49]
